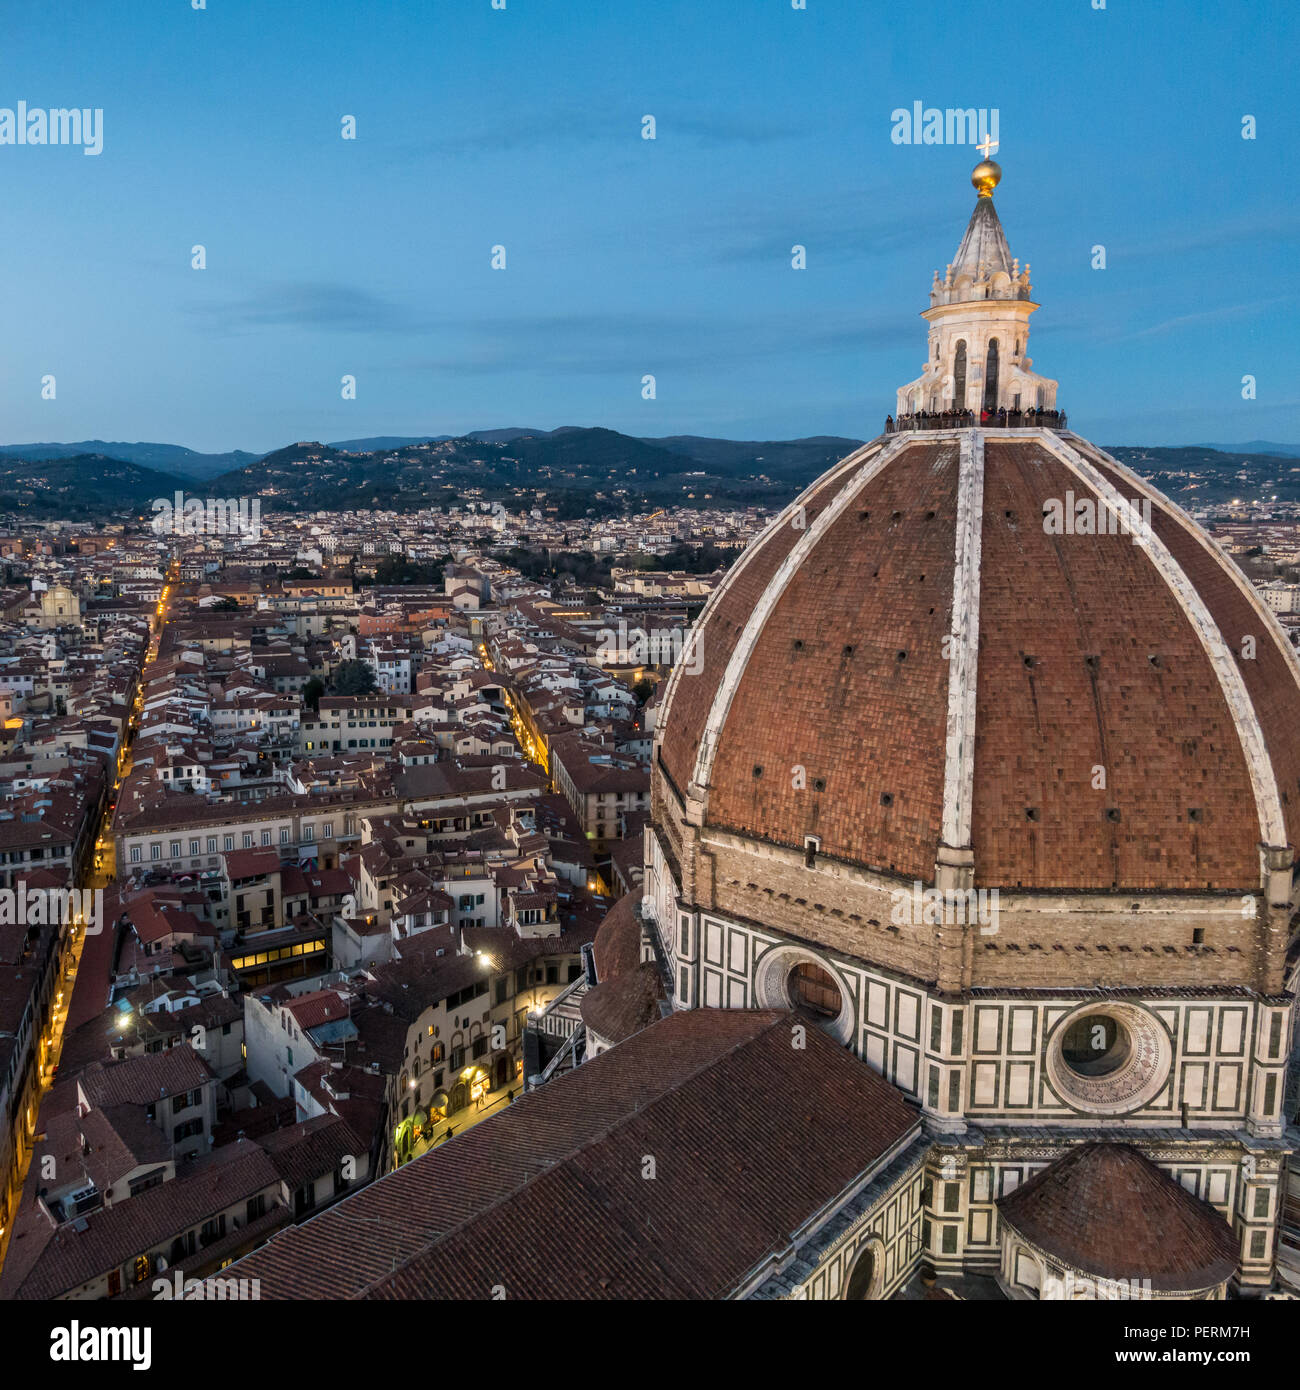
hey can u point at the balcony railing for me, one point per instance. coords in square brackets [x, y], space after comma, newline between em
[985, 419]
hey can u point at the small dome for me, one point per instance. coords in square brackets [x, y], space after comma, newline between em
[625, 1004]
[1106, 1211]
[617, 948]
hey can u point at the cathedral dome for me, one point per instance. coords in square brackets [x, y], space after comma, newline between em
[933, 648]
[981, 654]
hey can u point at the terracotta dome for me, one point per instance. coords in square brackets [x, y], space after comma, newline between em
[623, 1005]
[1106, 1211]
[617, 947]
[919, 653]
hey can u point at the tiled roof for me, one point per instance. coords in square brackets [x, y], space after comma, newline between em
[304, 1152]
[1106, 1210]
[549, 1197]
[617, 947]
[121, 1138]
[311, 1010]
[61, 1259]
[1268, 681]
[1092, 651]
[620, 1007]
[144, 1079]
[251, 863]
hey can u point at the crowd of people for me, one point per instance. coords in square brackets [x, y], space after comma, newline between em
[1000, 419]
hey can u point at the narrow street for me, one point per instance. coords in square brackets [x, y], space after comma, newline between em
[99, 873]
[491, 1102]
[72, 942]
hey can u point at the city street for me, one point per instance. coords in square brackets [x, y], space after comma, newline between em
[100, 872]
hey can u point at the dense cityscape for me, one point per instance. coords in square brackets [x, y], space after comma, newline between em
[317, 805]
[330, 780]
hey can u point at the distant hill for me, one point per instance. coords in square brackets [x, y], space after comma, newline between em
[798, 460]
[1196, 475]
[573, 468]
[1257, 446]
[595, 468]
[398, 441]
[570, 471]
[164, 458]
[384, 441]
[504, 436]
[83, 487]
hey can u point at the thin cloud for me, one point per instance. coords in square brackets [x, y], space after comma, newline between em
[308, 304]
[620, 344]
[1223, 313]
[591, 125]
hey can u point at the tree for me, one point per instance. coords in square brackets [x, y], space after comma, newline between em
[353, 678]
[643, 691]
[393, 569]
[312, 691]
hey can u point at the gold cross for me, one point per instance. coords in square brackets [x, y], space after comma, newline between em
[987, 146]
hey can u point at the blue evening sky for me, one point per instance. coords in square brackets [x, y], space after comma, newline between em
[522, 127]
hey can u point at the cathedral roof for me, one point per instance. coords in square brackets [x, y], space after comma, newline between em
[910, 657]
[1107, 1211]
[549, 1198]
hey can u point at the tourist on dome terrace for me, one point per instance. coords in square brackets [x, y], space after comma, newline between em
[1002, 419]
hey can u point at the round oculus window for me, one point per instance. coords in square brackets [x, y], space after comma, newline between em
[789, 977]
[1109, 1058]
[1096, 1045]
[813, 988]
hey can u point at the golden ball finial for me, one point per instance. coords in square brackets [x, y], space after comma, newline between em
[985, 176]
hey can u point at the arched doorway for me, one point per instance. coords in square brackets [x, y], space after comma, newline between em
[959, 376]
[991, 376]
